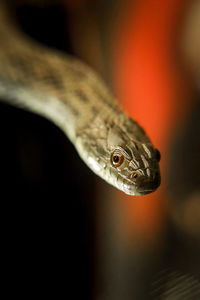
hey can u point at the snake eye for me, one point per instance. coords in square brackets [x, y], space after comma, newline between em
[117, 159]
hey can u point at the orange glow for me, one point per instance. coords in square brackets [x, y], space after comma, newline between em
[150, 85]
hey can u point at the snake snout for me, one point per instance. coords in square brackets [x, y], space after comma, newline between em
[145, 184]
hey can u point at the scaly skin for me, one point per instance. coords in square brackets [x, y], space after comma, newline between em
[70, 94]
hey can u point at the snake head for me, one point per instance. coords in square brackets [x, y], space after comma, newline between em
[122, 155]
[134, 162]
[135, 167]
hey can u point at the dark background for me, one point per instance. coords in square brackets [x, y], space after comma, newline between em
[47, 193]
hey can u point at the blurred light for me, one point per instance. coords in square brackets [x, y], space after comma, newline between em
[150, 83]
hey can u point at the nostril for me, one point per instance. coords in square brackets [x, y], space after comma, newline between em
[134, 175]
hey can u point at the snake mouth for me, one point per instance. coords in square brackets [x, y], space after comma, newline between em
[141, 185]
[134, 191]
[145, 192]
[150, 186]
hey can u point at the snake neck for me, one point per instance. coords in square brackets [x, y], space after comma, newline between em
[49, 82]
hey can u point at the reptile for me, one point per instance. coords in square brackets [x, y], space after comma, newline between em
[69, 93]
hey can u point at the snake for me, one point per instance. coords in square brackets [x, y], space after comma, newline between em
[69, 93]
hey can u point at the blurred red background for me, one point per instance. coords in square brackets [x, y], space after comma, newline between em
[150, 82]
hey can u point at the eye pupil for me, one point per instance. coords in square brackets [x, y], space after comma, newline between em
[115, 158]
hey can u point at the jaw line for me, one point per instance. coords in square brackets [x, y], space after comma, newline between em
[127, 187]
[137, 193]
[131, 190]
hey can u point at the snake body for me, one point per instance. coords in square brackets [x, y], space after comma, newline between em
[70, 94]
